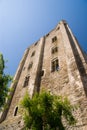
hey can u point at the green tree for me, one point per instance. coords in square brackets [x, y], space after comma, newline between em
[45, 112]
[4, 80]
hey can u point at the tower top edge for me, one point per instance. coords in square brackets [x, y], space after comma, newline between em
[64, 21]
[60, 22]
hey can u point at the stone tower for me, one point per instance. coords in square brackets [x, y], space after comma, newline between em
[57, 64]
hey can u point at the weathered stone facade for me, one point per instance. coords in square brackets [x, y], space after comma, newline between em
[57, 64]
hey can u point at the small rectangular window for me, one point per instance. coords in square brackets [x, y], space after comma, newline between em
[33, 53]
[26, 81]
[58, 28]
[35, 43]
[30, 65]
[42, 72]
[47, 35]
[54, 65]
[54, 50]
[54, 39]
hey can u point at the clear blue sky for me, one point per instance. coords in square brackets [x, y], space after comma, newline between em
[22, 22]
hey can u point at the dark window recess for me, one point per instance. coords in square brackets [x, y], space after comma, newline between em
[65, 24]
[47, 35]
[26, 81]
[16, 110]
[58, 28]
[42, 72]
[54, 65]
[54, 39]
[35, 43]
[33, 53]
[54, 50]
[30, 65]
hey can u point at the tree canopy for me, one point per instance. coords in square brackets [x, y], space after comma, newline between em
[45, 112]
[4, 80]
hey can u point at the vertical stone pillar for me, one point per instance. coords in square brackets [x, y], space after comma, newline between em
[35, 77]
[76, 67]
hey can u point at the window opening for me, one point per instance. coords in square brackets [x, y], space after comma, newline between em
[54, 65]
[16, 110]
[33, 53]
[58, 28]
[47, 35]
[54, 39]
[26, 81]
[42, 72]
[54, 50]
[30, 65]
[35, 43]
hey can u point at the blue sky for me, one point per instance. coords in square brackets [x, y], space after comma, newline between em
[22, 22]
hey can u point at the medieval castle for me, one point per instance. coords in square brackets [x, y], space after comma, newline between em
[57, 64]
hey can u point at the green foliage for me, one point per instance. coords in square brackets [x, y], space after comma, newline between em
[4, 80]
[44, 112]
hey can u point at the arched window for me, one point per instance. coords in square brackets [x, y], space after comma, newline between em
[16, 110]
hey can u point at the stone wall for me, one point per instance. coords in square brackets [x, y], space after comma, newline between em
[69, 79]
[13, 122]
